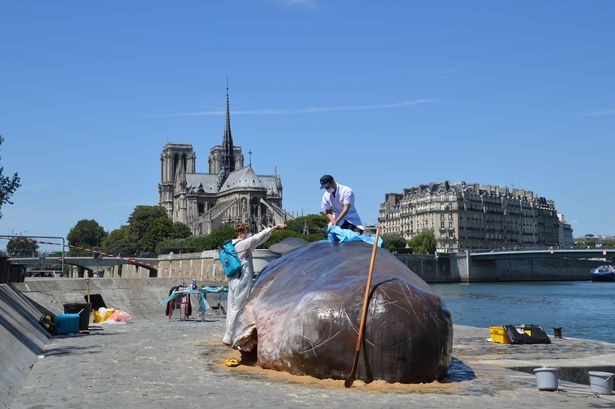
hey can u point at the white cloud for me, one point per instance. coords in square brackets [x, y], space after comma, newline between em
[310, 110]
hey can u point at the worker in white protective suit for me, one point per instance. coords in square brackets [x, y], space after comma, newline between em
[240, 283]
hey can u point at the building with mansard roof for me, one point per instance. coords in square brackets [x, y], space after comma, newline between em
[471, 216]
[228, 194]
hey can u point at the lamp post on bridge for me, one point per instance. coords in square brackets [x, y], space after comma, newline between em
[171, 257]
[97, 256]
[41, 262]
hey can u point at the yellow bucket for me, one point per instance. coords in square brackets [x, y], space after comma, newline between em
[498, 335]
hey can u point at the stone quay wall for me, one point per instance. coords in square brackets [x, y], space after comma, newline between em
[430, 268]
[443, 268]
[204, 266]
[461, 268]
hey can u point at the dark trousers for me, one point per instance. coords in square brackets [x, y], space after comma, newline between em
[350, 226]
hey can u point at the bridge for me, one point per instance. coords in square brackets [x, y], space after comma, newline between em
[544, 264]
[532, 264]
[91, 264]
[605, 254]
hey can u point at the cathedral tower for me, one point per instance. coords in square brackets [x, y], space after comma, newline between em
[176, 160]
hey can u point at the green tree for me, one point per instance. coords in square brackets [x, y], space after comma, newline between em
[394, 243]
[118, 243]
[21, 246]
[423, 243]
[315, 223]
[158, 230]
[196, 243]
[279, 235]
[176, 246]
[585, 244]
[149, 225]
[141, 218]
[8, 185]
[180, 230]
[215, 239]
[87, 234]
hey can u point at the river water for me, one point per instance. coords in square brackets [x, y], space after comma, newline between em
[583, 309]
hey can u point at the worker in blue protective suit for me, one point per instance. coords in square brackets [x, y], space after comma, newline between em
[240, 283]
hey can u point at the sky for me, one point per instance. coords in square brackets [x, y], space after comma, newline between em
[381, 95]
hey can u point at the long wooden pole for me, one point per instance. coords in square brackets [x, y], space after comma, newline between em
[368, 286]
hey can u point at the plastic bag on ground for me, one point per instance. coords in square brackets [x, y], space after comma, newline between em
[120, 316]
[117, 317]
[102, 314]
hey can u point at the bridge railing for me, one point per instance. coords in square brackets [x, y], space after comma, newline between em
[40, 248]
[539, 248]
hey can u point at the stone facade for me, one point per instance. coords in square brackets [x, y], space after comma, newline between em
[228, 194]
[565, 232]
[470, 216]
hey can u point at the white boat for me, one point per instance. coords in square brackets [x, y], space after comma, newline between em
[603, 273]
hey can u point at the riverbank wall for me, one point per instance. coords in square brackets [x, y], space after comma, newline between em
[442, 268]
[462, 268]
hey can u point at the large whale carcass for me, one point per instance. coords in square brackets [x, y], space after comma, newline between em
[305, 308]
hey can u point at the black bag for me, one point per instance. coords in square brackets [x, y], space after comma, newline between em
[527, 334]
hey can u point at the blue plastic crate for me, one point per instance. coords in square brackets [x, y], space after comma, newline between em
[66, 323]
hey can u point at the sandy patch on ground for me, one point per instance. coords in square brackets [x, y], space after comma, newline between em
[376, 386]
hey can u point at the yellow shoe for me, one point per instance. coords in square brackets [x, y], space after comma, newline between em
[231, 362]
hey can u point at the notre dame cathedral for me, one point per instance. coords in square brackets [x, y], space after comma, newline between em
[228, 194]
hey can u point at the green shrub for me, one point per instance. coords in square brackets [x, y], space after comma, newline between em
[214, 240]
[394, 243]
[176, 246]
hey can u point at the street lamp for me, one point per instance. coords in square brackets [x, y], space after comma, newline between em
[171, 256]
[41, 260]
[97, 255]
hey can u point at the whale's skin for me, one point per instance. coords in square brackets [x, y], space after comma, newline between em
[304, 312]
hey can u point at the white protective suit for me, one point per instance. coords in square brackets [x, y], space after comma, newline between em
[240, 283]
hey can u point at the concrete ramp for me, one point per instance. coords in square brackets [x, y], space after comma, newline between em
[22, 339]
[140, 297]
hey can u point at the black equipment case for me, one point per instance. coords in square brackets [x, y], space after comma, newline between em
[527, 334]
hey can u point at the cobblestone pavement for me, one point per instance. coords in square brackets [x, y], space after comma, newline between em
[159, 363]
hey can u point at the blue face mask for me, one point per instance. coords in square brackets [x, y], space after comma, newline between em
[330, 189]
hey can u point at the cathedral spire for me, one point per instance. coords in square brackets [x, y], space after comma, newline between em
[228, 151]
